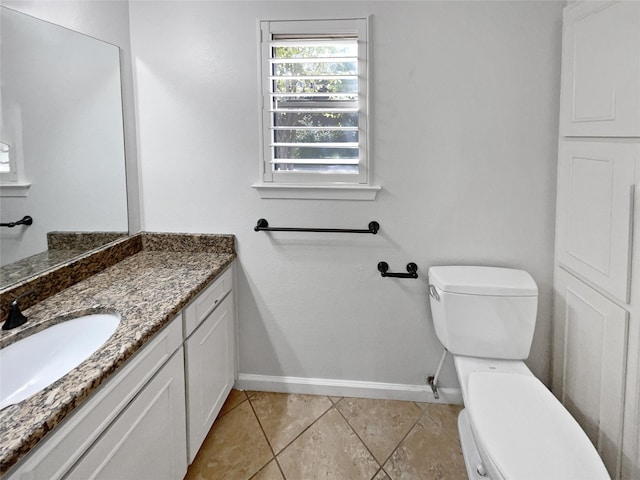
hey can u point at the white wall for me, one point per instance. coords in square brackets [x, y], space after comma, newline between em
[107, 21]
[465, 106]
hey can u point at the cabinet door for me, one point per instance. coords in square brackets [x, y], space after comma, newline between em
[595, 212]
[148, 440]
[590, 342]
[210, 364]
[601, 69]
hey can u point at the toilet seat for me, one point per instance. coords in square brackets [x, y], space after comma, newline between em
[525, 431]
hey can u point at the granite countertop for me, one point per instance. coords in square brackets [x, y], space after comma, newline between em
[61, 247]
[34, 264]
[147, 289]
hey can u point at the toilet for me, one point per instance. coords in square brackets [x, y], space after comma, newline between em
[512, 427]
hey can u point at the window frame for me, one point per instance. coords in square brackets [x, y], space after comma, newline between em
[275, 184]
[10, 176]
[13, 183]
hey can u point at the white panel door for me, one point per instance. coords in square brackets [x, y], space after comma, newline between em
[148, 440]
[601, 69]
[210, 362]
[590, 341]
[595, 212]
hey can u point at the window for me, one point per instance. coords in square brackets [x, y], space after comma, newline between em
[314, 80]
[7, 164]
[12, 171]
[11, 184]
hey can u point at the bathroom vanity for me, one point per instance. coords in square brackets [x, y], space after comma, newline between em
[142, 404]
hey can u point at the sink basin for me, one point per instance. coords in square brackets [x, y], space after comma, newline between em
[35, 362]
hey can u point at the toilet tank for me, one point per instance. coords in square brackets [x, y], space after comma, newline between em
[487, 312]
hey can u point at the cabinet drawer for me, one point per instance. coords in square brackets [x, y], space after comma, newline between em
[595, 212]
[204, 303]
[57, 454]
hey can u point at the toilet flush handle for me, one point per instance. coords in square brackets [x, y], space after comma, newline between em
[433, 291]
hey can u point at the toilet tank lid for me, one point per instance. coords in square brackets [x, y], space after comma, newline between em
[472, 280]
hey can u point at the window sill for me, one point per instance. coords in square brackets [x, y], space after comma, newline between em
[14, 189]
[318, 192]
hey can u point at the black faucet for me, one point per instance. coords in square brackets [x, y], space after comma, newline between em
[15, 318]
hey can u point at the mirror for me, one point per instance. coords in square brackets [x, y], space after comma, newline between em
[61, 144]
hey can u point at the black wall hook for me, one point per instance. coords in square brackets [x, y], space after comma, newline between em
[412, 268]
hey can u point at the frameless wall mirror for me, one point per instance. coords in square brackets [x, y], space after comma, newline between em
[63, 161]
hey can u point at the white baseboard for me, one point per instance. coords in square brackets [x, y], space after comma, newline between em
[346, 388]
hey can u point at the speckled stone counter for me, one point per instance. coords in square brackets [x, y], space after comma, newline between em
[27, 267]
[147, 289]
[61, 248]
[83, 241]
[44, 284]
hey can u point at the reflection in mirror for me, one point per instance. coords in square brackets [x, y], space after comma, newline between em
[62, 156]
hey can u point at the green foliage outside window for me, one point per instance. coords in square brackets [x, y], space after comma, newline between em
[319, 102]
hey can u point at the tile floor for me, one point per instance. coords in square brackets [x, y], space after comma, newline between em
[276, 436]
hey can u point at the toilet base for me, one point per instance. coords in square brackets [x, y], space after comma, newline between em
[470, 452]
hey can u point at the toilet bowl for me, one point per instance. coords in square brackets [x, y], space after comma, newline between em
[512, 427]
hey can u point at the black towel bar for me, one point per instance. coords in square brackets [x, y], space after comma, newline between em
[26, 220]
[263, 226]
[412, 268]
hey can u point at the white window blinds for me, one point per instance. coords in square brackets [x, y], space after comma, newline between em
[314, 106]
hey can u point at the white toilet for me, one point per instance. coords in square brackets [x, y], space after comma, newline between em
[513, 427]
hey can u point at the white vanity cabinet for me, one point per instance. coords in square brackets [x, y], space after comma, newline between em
[149, 420]
[82, 431]
[209, 357]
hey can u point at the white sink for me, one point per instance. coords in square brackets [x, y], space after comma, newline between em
[35, 362]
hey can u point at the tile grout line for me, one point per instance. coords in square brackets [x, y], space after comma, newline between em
[361, 441]
[274, 457]
[453, 435]
[304, 430]
[234, 407]
[423, 413]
